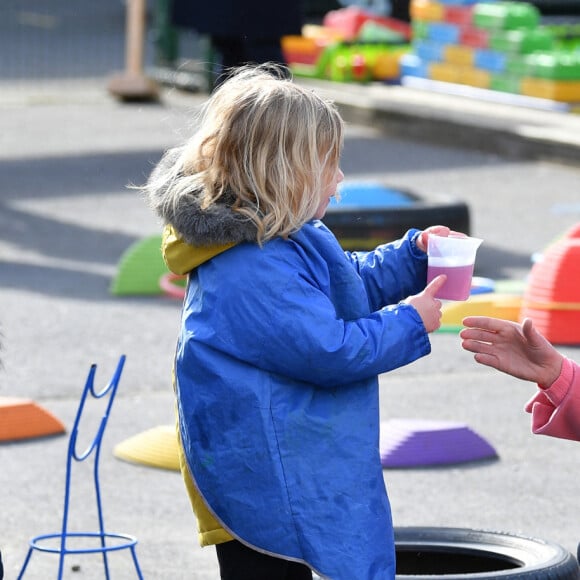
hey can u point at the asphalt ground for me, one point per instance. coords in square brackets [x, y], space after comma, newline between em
[67, 153]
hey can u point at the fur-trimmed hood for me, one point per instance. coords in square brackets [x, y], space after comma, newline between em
[217, 225]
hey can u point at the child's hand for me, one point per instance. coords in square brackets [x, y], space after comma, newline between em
[428, 307]
[516, 349]
[442, 231]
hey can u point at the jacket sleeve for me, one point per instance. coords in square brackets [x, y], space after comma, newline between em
[287, 325]
[392, 271]
[556, 410]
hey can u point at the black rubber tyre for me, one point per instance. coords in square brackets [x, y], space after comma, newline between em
[454, 553]
[360, 228]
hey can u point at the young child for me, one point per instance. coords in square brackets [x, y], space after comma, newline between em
[521, 351]
[283, 336]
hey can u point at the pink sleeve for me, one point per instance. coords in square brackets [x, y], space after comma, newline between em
[556, 409]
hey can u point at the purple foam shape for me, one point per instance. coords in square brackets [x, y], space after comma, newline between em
[423, 442]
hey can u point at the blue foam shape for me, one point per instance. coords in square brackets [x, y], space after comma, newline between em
[372, 196]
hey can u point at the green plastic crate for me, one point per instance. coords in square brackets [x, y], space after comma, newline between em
[419, 29]
[523, 41]
[505, 83]
[561, 66]
[516, 65]
[505, 15]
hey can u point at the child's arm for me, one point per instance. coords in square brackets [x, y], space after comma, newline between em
[556, 409]
[521, 351]
[398, 269]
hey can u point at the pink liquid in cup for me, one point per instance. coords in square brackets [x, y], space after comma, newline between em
[458, 283]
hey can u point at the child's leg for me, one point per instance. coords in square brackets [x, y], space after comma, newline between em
[238, 562]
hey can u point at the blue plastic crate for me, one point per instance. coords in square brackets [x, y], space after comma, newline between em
[490, 60]
[429, 50]
[412, 66]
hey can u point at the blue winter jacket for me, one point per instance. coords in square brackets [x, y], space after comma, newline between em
[276, 372]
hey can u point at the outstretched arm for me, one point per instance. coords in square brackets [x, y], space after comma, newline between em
[516, 349]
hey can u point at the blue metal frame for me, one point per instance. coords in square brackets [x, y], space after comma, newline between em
[124, 541]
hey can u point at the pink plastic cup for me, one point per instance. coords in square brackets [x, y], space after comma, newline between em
[455, 257]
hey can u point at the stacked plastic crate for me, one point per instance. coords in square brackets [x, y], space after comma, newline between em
[496, 45]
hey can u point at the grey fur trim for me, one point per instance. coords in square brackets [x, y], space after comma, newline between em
[218, 224]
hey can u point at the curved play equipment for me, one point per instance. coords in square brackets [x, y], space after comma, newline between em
[173, 285]
[140, 268]
[552, 296]
[497, 305]
[403, 443]
[156, 447]
[372, 213]
[423, 443]
[25, 419]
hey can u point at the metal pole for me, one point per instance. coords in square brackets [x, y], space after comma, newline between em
[132, 83]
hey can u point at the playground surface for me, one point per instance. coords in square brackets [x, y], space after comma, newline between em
[66, 219]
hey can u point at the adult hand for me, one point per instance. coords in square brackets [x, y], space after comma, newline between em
[428, 307]
[516, 349]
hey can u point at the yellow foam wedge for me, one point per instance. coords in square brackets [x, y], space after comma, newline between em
[156, 447]
[504, 306]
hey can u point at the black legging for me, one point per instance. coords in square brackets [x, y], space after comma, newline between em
[238, 562]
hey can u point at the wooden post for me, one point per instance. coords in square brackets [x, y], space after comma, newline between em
[132, 84]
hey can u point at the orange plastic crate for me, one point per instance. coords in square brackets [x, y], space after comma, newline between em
[426, 10]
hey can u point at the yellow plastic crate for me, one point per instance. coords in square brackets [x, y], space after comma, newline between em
[475, 77]
[445, 72]
[462, 75]
[458, 54]
[565, 91]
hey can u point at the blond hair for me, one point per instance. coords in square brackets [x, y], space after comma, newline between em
[266, 143]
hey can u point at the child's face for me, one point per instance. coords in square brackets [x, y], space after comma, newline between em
[329, 191]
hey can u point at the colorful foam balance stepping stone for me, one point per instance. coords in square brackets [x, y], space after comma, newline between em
[140, 268]
[552, 296]
[25, 419]
[156, 447]
[406, 443]
[481, 285]
[173, 285]
[497, 305]
[371, 213]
